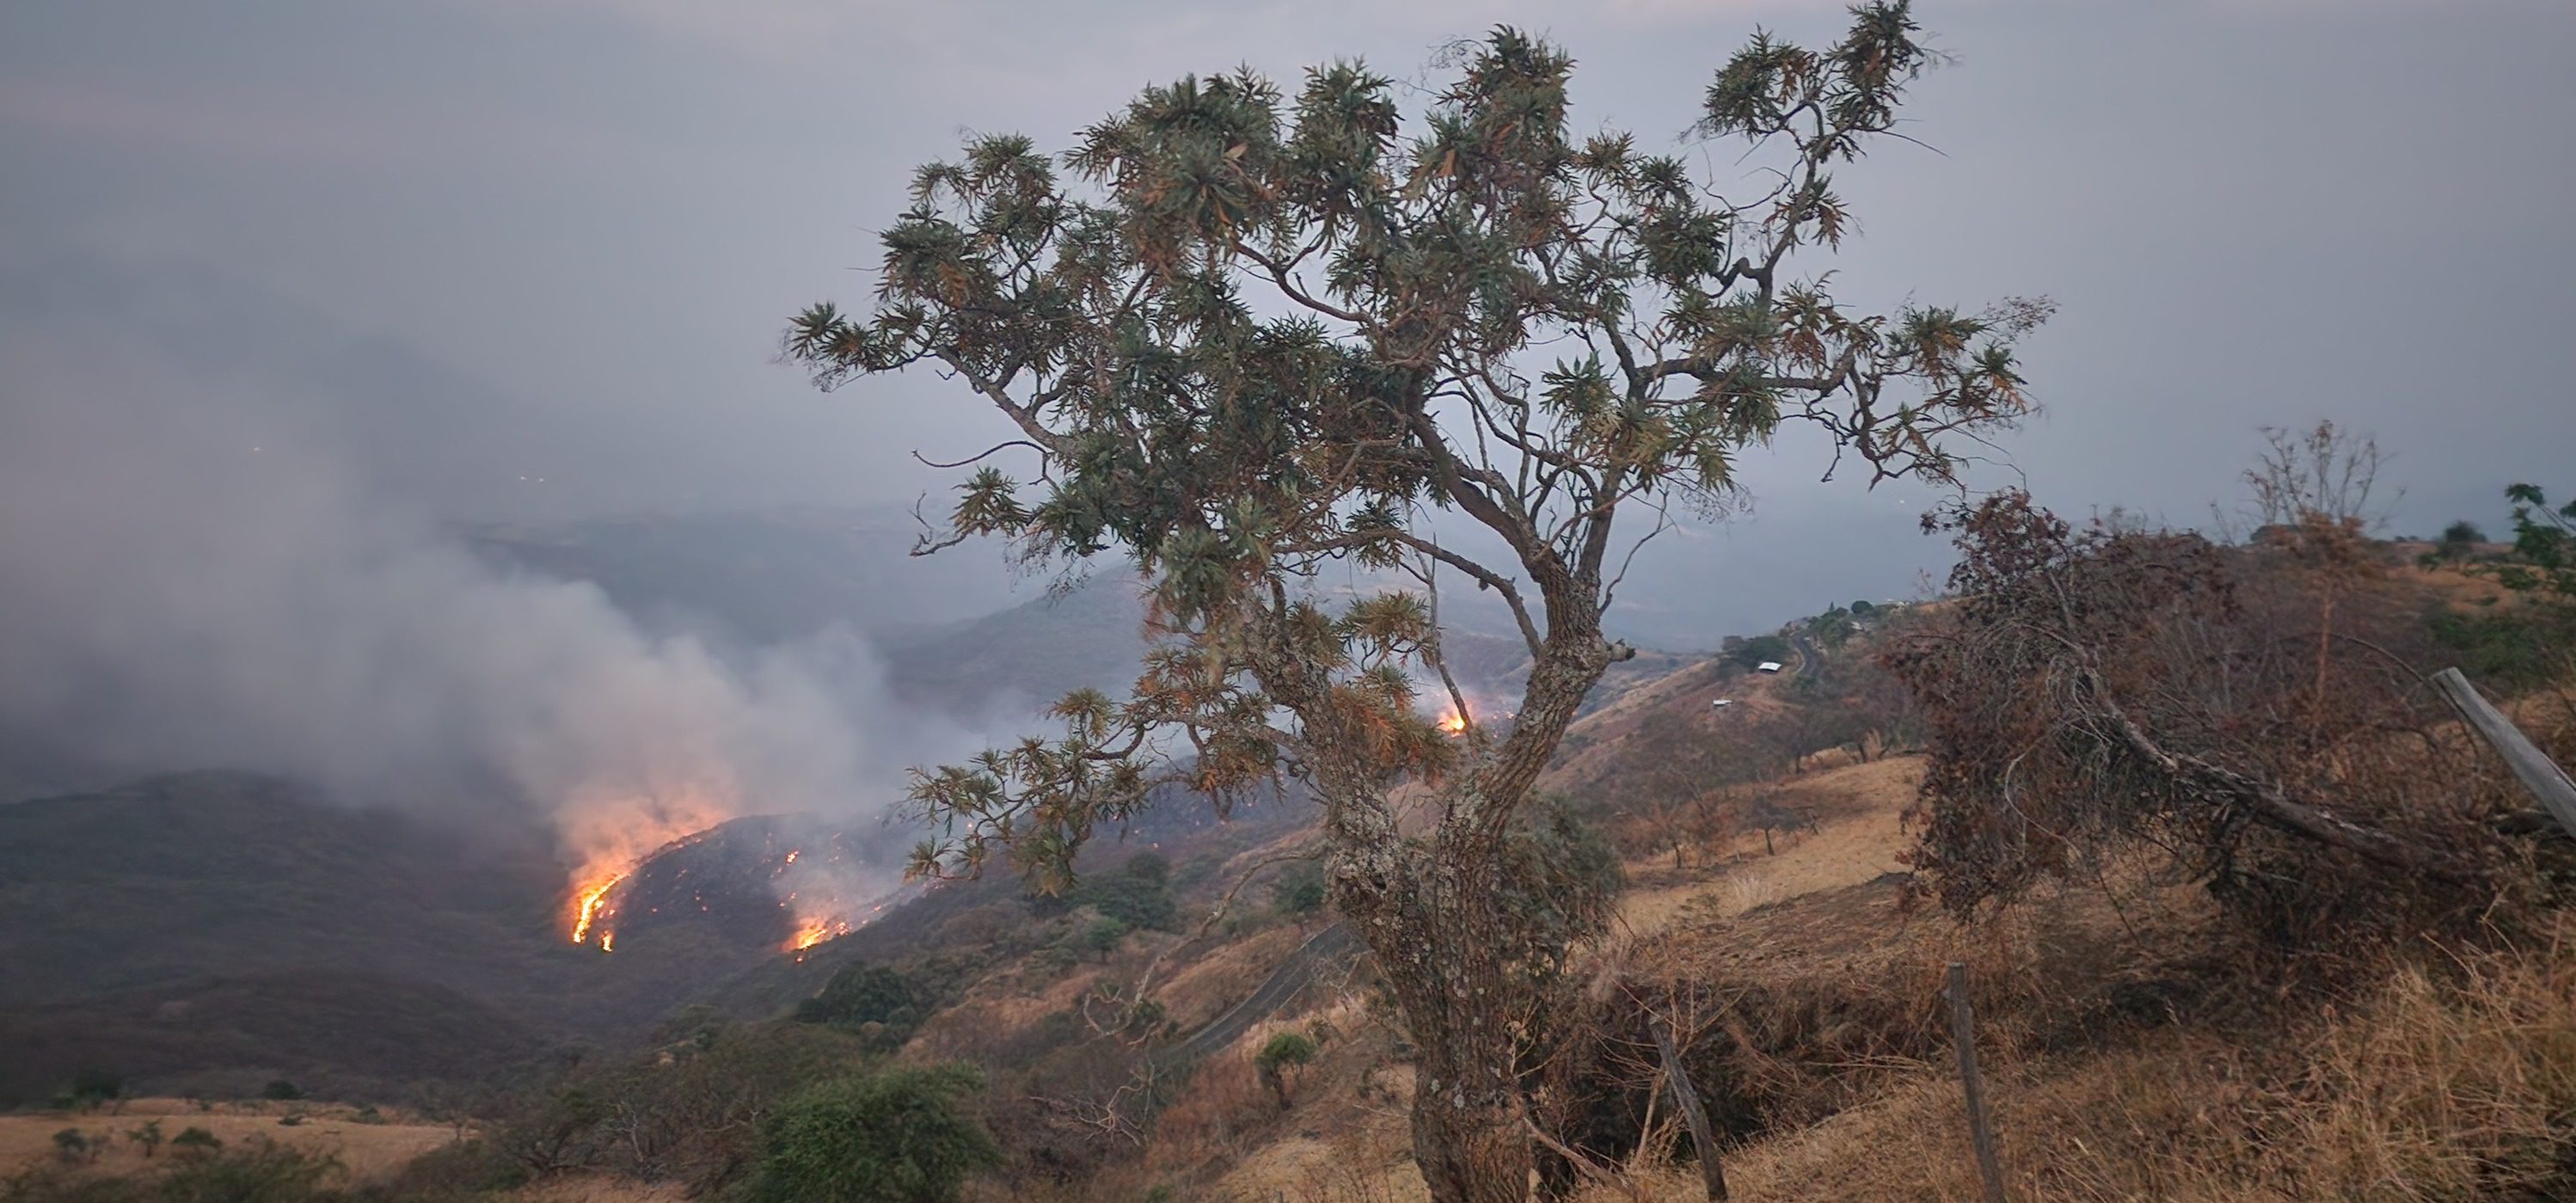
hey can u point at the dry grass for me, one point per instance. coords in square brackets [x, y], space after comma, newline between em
[2457, 1084]
[1337, 1145]
[1598, 743]
[1343, 1136]
[1217, 1114]
[369, 1151]
[2137, 1045]
[1368, 1162]
[595, 1189]
[1209, 986]
[1857, 838]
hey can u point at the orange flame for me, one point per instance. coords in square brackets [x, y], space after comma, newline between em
[815, 931]
[586, 914]
[611, 830]
[1453, 723]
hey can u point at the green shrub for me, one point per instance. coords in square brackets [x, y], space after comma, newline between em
[42, 1183]
[1149, 865]
[896, 1137]
[195, 1140]
[281, 1090]
[1282, 1054]
[465, 1169]
[878, 1002]
[2542, 563]
[90, 1087]
[697, 1023]
[1754, 651]
[1103, 935]
[1299, 892]
[2518, 649]
[72, 1145]
[1139, 895]
[689, 1114]
[1197, 870]
[262, 1172]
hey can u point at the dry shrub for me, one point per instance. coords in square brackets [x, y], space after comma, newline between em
[999, 1031]
[1768, 1044]
[2450, 1087]
[2548, 715]
[2455, 1080]
[1828, 1001]
[1365, 1165]
[1001, 925]
[1216, 1116]
[2253, 713]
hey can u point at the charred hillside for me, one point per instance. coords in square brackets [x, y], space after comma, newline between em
[762, 881]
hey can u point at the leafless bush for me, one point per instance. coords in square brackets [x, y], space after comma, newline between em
[2324, 472]
[2243, 710]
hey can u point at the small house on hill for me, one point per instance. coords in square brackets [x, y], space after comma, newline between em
[1767, 666]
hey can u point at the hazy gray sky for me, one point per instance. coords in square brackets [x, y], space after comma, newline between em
[486, 240]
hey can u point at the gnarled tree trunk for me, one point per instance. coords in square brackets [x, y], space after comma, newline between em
[1438, 949]
[1431, 906]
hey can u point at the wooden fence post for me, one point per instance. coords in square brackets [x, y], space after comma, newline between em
[1704, 1142]
[1963, 1032]
[2538, 773]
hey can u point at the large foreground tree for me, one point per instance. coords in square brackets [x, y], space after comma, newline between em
[1246, 336]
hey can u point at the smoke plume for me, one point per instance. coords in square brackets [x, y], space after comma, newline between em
[191, 576]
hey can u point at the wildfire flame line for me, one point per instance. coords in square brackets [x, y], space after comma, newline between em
[815, 931]
[595, 905]
[588, 913]
[591, 908]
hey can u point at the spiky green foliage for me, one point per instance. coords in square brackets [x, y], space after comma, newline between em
[1247, 332]
[1246, 335]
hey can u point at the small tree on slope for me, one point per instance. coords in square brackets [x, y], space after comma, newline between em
[1246, 336]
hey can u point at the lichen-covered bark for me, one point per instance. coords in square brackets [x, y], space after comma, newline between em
[1440, 951]
[1429, 905]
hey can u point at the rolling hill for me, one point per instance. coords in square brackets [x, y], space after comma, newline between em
[218, 928]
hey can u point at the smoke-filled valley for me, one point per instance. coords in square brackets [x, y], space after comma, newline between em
[286, 740]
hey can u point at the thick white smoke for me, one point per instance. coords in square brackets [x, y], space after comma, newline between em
[189, 579]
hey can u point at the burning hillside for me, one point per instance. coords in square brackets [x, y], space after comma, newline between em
[790, 882]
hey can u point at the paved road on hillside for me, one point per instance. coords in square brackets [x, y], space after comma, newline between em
[1326, 949]
[1809, 659]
